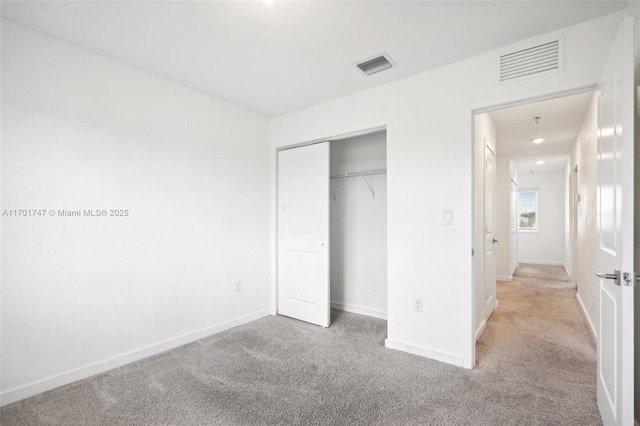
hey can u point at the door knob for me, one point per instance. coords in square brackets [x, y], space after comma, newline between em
[615, 276]
[495, 241]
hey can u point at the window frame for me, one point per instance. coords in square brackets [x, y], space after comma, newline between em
[537, 210]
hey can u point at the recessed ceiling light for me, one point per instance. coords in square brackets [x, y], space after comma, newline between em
[540, 162]
[267, 1]
[538, 140]
[533, 152]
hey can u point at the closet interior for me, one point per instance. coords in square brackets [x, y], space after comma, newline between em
[358, 251]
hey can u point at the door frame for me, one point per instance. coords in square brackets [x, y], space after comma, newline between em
[481, 108]
[274, 203]
[493, 149]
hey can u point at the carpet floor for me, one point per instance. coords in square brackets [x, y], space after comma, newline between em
[535, 366]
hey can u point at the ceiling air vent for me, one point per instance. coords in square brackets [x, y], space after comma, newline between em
[529, 62]
[376, 64]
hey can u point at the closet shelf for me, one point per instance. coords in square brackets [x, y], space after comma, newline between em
[363, 174]
[360, 173]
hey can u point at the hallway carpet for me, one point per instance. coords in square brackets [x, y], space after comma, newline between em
[536, 366]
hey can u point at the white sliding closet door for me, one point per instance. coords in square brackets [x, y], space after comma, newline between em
[303, 233]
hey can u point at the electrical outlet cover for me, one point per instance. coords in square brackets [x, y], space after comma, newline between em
[417, 305]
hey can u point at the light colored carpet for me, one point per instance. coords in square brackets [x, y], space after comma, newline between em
[535, 367]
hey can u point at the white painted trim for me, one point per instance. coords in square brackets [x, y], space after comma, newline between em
[448, 358]
[567, 270]
[359, 310]
[480, 329]
[592, 329]
[338, 137]
[540, 262]
[31, 389]
[558, 90]
[509, 278]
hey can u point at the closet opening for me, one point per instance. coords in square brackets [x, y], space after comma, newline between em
[358, 224]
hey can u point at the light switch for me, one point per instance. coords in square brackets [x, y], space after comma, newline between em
[447, 217]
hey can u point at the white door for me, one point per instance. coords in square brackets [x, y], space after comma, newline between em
[615, 229]
[303, 233]
[513, 226]
[489, 228]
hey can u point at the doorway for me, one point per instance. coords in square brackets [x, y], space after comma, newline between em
[332, 221]
[359, 224]
[537, 147]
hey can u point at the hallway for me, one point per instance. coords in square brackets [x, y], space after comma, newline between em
[538, 337]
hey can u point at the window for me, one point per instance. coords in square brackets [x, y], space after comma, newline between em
[528, 210]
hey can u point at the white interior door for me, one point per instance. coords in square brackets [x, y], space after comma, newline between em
[489, 227]
[615, 229]
[513, 226]
[303, 233]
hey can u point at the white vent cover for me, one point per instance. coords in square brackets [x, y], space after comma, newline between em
[528, 62]
[375, 64]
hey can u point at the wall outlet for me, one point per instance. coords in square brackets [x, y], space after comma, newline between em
[417, 305]
[238, 286]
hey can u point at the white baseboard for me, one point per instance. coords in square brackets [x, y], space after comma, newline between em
[541, 262]
[34, 388]
[448, 358]
[483, 324]
[480, 329]
[359, 310]
[592, 329]
[509, 278]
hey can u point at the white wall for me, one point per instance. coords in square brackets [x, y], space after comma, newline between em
[546, 245]
[429, 161]
[359, 226]
[360, 153]
[84, 294]
[484, 133]
[584, 156]
[504, 168]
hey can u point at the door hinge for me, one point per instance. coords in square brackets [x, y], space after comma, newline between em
[471, 252]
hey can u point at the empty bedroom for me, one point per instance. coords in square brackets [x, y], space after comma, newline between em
[262, 212]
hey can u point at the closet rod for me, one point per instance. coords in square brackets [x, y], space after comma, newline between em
[363, 173]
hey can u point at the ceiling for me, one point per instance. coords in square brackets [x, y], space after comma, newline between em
[559, 124]
[277, 58]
